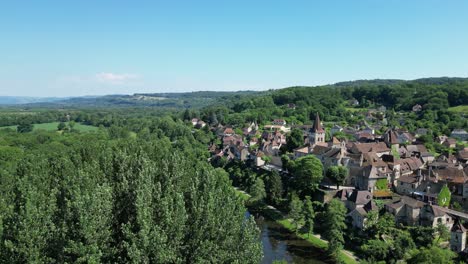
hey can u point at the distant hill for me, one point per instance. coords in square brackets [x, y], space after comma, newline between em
[15, 100]
[163, 100]
[359, 89]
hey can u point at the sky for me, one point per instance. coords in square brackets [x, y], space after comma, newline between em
[95, 47]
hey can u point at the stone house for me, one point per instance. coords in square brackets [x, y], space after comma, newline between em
[359, 215]
[432, 215]
[407, 185]
[406, 211]
[370, 174]
[257, 158]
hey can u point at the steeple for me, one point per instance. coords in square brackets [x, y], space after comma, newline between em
[317, 133]
[317, 128]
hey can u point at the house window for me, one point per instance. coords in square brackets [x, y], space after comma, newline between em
[447, 220]
[439, 220]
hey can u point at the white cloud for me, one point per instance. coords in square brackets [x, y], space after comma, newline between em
[115, 78]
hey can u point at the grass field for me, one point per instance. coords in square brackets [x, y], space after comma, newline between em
[459, 109]
[351, 109]
[53, 126]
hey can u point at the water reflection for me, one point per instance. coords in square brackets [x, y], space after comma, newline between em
[280, 244]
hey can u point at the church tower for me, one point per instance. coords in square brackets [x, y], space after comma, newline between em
[317, 133]
[458, 237]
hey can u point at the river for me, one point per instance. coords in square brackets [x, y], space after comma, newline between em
[280, 244]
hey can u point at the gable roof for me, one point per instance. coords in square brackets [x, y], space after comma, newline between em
[319, 149]
[304, 150]
[435, 210]
[369, 147]
[360, 197]
[405, 200]
[408, 179]
[458, 228]
[450, 174]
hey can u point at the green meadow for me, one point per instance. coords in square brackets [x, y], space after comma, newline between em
[459, 109]
[53, 126]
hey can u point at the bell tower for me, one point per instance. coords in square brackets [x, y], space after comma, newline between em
[458, 237]
[316, 133]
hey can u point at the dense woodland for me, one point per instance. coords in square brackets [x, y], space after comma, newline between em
[141, 189]
[109, 197]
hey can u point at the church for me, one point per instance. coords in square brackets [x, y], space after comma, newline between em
[317, 133]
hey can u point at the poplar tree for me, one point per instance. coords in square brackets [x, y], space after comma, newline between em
[295, 212]
[309, 216]
[335, 226]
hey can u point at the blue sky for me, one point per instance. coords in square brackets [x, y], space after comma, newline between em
[70, 48]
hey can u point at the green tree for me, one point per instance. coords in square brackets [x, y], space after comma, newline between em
[381, 184]
[376, 249]
[25, 127]
[443, 199]
[288, 164]
[257, 190]
[433, 255]
[378, 226]
[274, 187]
[337, 174]
[442, 232]
[402, 244]
[295, 211]
[295, 139]
[187, 115]
[71, 124]
[86, 198]
[423, 236]
[334, 226]
[309, 215]
[332, 173]
[308, 172]
[61, 126]
[213, 119]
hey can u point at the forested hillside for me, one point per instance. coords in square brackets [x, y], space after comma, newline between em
[299, 105]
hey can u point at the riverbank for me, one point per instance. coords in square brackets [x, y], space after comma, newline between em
[277, 216]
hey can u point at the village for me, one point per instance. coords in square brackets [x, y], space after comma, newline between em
[393, 169]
